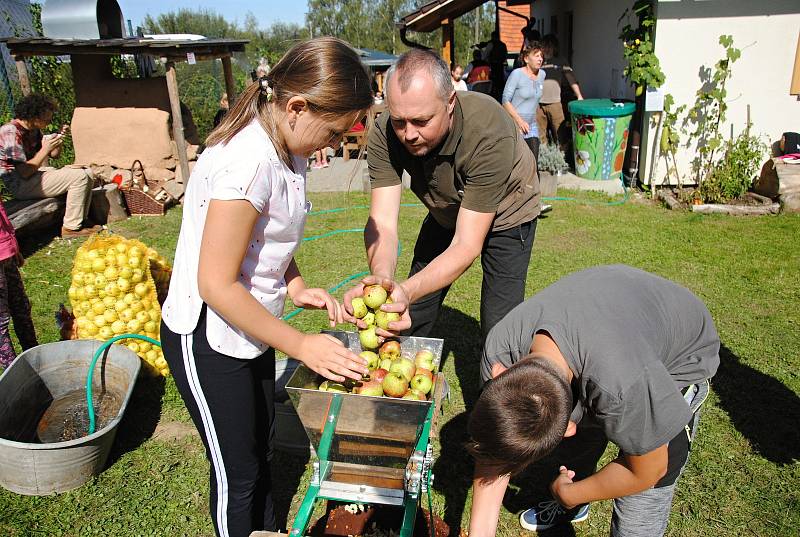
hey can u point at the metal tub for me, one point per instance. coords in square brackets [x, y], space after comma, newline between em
[37, 378]
[371, 438]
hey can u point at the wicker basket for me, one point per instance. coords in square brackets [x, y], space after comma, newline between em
[154, 202]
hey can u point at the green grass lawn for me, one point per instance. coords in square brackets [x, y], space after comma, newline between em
[743, 477]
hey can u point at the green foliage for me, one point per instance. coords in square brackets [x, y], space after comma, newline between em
[642, 66]
[189, 21]
[709, 110]
[551, 159]
[373, 24]
[733, 175]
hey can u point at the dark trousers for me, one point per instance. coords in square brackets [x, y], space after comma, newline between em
[533, 145]
[231, 402]
[14, 305]
[504, 258]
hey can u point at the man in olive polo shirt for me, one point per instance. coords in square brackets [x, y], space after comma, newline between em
[470, 167]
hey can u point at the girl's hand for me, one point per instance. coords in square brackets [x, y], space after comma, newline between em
[523, 126]
[317, 298]
[559, 487]
[329, 357]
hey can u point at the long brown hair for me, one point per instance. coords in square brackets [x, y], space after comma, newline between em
[325, 71]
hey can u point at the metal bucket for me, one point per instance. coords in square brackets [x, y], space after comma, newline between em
[30, 387]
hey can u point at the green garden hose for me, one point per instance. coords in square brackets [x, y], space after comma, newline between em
[90, 375]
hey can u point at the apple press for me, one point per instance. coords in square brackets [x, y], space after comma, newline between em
[370, 450]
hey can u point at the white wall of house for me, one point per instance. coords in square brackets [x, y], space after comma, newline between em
[597, 51]
[766, 31]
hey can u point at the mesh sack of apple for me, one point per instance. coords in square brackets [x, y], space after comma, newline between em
[392, 371]
[113, 292]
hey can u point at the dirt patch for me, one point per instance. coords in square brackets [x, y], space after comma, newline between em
[173, 431]
[377, 520]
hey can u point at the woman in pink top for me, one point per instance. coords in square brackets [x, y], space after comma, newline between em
[14, 303]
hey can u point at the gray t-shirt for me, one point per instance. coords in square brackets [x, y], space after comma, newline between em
[633, 340]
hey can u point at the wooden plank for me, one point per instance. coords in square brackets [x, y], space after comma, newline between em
[177, 120]
[24, 81]
[29, 216]
[268, 534]
[740, 210]
[230, 87]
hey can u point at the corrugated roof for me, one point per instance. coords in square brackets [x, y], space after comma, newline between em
[43, 46]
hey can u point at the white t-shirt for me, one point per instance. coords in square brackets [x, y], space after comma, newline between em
[248, 168]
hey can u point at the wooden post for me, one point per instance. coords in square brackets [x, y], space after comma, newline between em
[230, 87]
[177, 120]
[448, 41]
[24, 81]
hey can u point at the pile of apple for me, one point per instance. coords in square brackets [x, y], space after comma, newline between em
[368, 309]
[112, 292]
[392, 374]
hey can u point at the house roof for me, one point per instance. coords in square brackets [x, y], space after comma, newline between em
[430, 16]
[173, 49]
[376, 58]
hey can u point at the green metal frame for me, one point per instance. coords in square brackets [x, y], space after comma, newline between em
[410, 502]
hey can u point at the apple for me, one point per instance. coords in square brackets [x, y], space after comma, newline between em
[383, 318]
[386, 363]
[359, 308]
[323, 387]
[390, 350]
[404, 367]
[375, 296]
[414, 395]
[424, 358]
[369, 318]
[422, 371]
[336, 387]
[379, 374]
[372, 359]
[373, 387]
[421, 383]
[368, 338]
[395, 385]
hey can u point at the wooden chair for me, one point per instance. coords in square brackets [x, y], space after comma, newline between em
[354, 140]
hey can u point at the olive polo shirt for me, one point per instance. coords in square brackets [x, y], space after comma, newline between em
[483, 165]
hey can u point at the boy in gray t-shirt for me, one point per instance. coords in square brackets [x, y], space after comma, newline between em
[612, 347]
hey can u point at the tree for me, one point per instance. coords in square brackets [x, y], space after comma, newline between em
[186, 21]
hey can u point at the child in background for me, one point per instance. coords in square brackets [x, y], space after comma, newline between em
[243, 220]
[14, 303]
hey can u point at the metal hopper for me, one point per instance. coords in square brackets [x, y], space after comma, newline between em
[370, 449]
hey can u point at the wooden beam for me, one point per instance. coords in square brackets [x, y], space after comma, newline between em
[177, 120]
[230, 87]
[24, 81]
[448, 41]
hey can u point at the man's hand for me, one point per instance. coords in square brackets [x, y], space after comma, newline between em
[399, 304]
[559, 487]
[51, 142]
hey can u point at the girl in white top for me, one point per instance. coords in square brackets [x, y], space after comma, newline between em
[244, 213]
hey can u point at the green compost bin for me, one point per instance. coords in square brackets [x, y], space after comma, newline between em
[600, 136]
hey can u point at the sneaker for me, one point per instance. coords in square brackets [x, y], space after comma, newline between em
[550, 513]
[67, 233]
[546, 208]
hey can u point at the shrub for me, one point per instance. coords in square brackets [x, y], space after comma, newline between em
[733, 175]
[551, 159]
